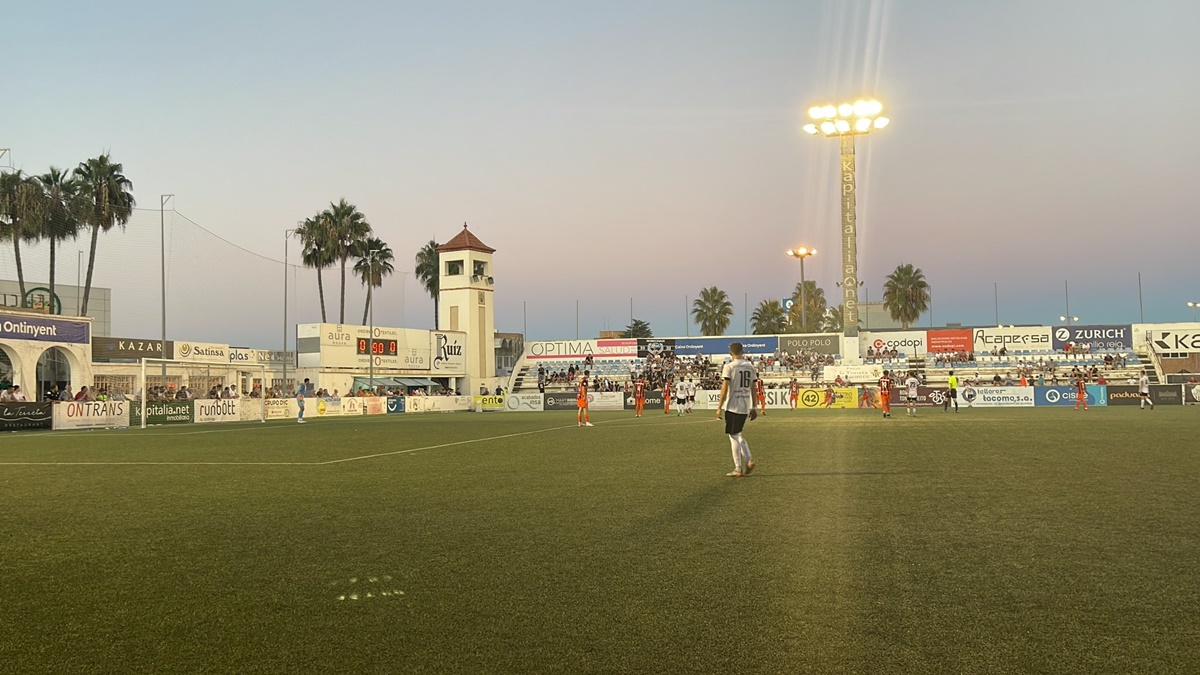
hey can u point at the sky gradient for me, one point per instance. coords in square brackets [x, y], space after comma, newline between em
[617, 150]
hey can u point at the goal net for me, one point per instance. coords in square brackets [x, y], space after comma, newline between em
[168, 380]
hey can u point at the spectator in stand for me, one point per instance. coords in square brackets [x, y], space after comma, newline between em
[18, 396]
[6, 395]
[84, 394]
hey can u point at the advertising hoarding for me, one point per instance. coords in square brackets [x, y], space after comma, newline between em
[23, 416]
[91, 415]
[161, 412]
[105, 348]
[956, 340]
[821, 343]
[201, 352]
[1034, 338]
[44, 329]
[907, 342]
[208, 411]
[718, 346]
[447, 351]
[1175, 341]
[1099, 338]
[524, 403]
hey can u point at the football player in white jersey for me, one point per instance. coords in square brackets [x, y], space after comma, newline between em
[681, 397]
[1144, 391]
[737, 398]
[910, 392]
[691, 394]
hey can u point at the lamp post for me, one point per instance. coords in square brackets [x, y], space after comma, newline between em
[371, 312]
[1069, 319]
[844, 122]
[801, 253]
[287, 234]
[1194, 306]
[162, 251]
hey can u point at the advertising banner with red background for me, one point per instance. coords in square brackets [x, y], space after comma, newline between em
[941, 341]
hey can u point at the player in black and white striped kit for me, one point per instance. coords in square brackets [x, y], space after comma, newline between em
[737, 398]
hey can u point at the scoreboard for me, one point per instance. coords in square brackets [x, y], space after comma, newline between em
[342, 346]
[378, 347]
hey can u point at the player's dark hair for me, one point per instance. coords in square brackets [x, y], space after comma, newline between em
[735, 348]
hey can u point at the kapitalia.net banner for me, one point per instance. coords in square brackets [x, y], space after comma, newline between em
[167, 412]
[21, 327]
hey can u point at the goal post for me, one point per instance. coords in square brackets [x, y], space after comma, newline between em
[201, 378]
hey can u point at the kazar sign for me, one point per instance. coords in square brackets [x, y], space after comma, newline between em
[1174, 341]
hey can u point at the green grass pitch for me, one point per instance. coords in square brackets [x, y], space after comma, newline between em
[989, 541]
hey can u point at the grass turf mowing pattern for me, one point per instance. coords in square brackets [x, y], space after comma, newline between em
[988, 541]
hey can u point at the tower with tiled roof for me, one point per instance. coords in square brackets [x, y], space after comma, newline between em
[465, 302]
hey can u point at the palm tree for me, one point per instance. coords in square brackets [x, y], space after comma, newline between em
[110, 203]
[65, 205]
[814, 297]
[374, 263]
[906, 294]
[638, 329]
[22, 210]
[427, 273]
[832, 321]
[712, 311]
[315, 250]
[348, 227]
[768, 318]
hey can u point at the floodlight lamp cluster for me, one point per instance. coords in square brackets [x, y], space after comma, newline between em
[860, 117]
[801, 252]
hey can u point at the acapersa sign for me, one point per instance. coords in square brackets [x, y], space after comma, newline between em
[1013, 337]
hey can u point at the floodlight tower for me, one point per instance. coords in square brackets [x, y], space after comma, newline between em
[846, 121]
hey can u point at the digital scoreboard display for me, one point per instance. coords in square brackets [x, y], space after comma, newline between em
[378, 347]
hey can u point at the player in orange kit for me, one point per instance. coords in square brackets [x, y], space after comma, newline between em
[761, 395]
[885, 393]
[793, 393]
[581, 400]
[639, 397]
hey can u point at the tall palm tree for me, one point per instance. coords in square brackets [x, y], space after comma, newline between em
[65, 206]
[768, 318]
[374, 263]
[22, 210]
[348, 227]
[814, 298]
[315, 251]
[712, 311]
[110, 203]
[427, 273]
[906, 294]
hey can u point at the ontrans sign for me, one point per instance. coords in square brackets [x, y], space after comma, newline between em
[1098, 338]
[91, 415]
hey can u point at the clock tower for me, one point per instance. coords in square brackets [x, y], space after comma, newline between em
[465, 302]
